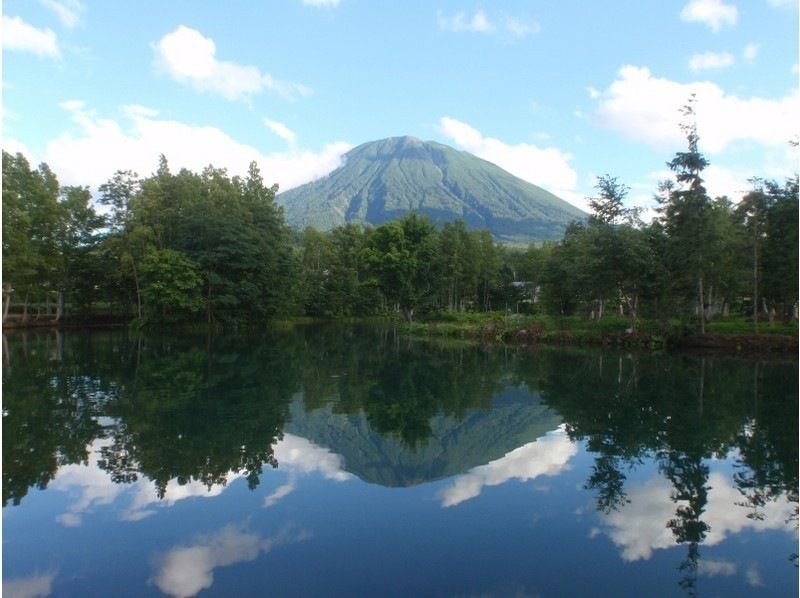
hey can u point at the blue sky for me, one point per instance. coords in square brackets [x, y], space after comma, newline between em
[555, 92]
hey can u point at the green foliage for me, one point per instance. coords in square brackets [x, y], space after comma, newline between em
[171, 286]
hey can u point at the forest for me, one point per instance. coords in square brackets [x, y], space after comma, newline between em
[209, 247]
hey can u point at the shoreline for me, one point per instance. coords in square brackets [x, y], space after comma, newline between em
[513, 330]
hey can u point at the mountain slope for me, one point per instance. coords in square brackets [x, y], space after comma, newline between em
[382, 180]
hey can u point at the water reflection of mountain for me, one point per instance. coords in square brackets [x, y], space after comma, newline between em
[454, 446]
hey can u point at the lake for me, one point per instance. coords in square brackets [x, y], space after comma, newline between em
[353, 461]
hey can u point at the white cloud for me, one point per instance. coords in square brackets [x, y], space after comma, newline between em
[97, 147]
[753, 577]
[715, 568]
[480, 22]
[721, 181]
[713, 13]
[299, 455]
[522, 28]
[92, 487]
[14, 146]
[67, 11]
[782, 3]
[34, 586]
[477, 23]
[19, 35]
[280, 492]
[548, 456]
[282, 131]
[189, 57]
[644, 107]
[593, 93]
[186, 570]
[640, 527]
[711, 60]
[750, 52]
[548, 167]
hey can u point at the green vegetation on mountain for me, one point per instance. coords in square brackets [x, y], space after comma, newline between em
[383, 180]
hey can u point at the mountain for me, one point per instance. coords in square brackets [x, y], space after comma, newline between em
[382, 180]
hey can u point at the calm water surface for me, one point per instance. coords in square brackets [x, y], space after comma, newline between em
[334, 461]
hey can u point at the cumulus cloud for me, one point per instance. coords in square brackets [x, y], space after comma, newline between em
[92, 487]
[546, 167]
[186, 570]
[281, 130]
[299, 455]
[96, 147]
[189, 57]
[34, 586]
[67, 11]
[546, 456]
[23, 37]
[640, 527]
[713, 13]
[711, 60]
[645, 107]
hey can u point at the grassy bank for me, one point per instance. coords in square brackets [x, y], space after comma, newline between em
[725, 333]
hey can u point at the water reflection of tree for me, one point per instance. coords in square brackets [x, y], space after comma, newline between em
[682, 411]
[767, 464]
[398, 384]
[50, 407]
[200, 412]
[198, 408]
[191, 409]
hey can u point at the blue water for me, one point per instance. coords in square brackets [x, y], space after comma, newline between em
[396, 473]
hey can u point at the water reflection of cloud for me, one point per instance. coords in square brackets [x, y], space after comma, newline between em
[640, 527]
[299, 456]
[279, 493]
[546, 456]
[33, 586]
[186, 570]
[94, 488]
[715, 568]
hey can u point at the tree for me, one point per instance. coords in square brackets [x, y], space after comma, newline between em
[686, 214]
[608, 205]
[401, 255]
[171, 286]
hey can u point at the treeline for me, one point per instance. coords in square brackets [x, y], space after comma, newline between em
[209, 247]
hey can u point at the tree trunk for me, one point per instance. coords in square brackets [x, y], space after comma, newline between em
[59, 306]
[701, 310]
[7, 291]
[138, 290]
[408, 314]
[25, 308]
[755, 284]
